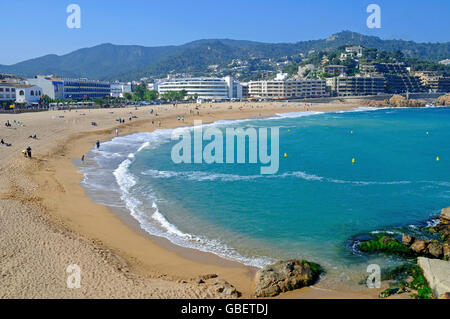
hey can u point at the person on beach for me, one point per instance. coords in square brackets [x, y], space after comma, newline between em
[82, 159]
[117, 132]
[98, 144]
[24, 152]
[29, 151]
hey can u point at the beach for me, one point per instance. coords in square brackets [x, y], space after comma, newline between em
[48, 222]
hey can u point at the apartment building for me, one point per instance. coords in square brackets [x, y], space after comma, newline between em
[335, 70]
[402, 83]
[204, 88]
[355, 85]
[118, 89]
[301, 88]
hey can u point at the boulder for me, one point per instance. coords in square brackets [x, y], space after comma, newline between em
[445, 296]
[446, 251]
[435, 249]
[436, 273]
[285, 276]
[408, 240]
[445, 215]
[226, 288]
[419, 246]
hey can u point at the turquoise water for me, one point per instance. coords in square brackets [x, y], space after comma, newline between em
[312, 208]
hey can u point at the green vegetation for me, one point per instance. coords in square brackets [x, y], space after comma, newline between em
[123, 62]
[141, 93]
[174, 95]
[419, 283]
[384, 244]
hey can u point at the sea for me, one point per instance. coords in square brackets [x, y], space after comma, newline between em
[342, 176]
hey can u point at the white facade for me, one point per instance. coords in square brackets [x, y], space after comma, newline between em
[204, 87]
[28, 94]
[20, 93]
[303, 88]
[7, 92]
[119, 89]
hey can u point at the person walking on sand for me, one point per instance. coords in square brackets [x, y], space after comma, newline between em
[98, 144]
[82, 159]
[29, 151]
[117, 132]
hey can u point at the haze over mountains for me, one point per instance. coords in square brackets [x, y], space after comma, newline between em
[129, 62]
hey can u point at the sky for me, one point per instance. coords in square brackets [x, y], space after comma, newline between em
[33, 28]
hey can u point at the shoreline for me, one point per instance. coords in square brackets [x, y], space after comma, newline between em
[65, 202]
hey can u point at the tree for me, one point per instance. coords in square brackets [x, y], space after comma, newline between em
[151, 95]
[128, 96]
[139, 92]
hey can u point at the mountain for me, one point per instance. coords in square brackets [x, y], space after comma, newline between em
[127, 62]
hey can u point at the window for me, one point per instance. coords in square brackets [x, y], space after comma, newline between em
[21, 92]
[31, 92]
[13, 90]
[7, 89]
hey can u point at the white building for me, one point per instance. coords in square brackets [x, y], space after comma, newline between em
[301, 88]
[204, 88]
[20, 93]
[118, 89]
[7, 92]
[28, 94]
[75, 89]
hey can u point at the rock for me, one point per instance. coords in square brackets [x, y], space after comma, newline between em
[443, 100]
[386, 240]
[222, 286]
[436, 273]
[208, 276]
[392, 291]
[446, 251]
[408, 240]
[285, 276]
[445, 296]
[419, 246]
[445, 215]
[435, 249]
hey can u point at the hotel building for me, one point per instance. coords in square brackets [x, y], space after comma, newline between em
[301, 88]
[204, 87]
[75, 89]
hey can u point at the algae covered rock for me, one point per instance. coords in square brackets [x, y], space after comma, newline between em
[285, 276]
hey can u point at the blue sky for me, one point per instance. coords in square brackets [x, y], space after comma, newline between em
[33, 28]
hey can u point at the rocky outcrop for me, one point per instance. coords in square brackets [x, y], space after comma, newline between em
[285, 276]
[419, 246]
[445, 215]
[443, 100]
[437, 274]
[408, 240]
[400, 101]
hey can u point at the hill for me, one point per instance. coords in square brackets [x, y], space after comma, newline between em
[127, 62]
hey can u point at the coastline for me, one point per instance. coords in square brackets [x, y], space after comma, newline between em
[58, 195]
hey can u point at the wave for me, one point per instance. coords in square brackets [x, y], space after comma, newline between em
[126, 182]
[201, 176]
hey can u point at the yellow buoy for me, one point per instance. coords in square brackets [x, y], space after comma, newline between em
[437, 158]
[351, 132]
[285, 154]
[353, 160]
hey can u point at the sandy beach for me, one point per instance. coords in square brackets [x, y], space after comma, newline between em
[47, 222]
